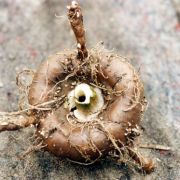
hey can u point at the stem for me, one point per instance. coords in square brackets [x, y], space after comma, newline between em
[76, 20]
[155, 146]
[12, 123]
[146, 164]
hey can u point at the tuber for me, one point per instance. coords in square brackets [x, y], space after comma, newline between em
[85, 105]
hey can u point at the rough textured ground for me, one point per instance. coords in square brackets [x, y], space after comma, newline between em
[146, 31]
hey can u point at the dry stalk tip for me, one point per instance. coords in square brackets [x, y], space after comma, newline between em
[76, 20]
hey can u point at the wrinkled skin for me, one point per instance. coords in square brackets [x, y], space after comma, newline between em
[86, 144]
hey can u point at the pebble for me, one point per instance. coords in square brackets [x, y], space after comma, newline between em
[1, 84]
[12, 56]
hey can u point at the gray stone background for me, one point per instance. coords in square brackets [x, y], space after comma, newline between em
[147, 32]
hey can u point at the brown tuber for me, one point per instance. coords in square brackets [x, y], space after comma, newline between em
[87, 105]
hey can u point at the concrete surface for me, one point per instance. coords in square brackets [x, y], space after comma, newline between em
[148, 32]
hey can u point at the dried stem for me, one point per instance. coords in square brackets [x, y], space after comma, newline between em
[155, 146]
[76, 20]
[146, 164]
[12, 123]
